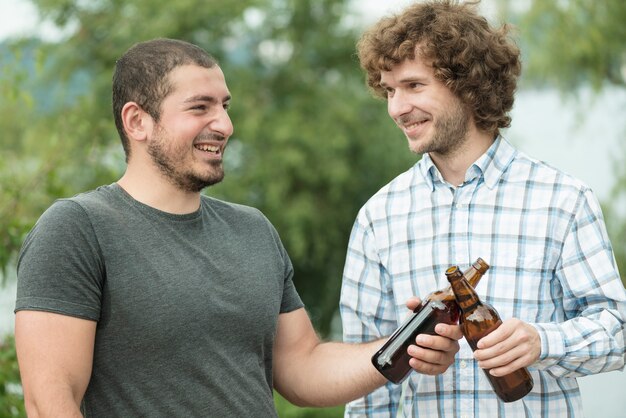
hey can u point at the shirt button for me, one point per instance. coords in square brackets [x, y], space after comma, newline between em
[463, 364]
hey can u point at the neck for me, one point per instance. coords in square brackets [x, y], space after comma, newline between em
[154, 190]
[454, 164]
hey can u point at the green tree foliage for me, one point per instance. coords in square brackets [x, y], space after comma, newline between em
[310, 144]
[11, 398]
[580, 43]
[574, 42]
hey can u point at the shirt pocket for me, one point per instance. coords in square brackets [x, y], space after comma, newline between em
[522, 286]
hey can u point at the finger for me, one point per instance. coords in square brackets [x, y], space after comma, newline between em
[497, 350]
[429, 361]
[450, 331]
[438, 343]
[520, 356]
[524, 343]
[413, 302]
[502, 359]
[509, 368]
[501, 333]
[428, 368]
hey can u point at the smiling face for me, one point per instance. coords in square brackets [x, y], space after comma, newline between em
[188, 142]
[432, 118]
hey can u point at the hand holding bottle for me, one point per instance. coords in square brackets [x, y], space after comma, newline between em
[431, 355]
[512, 346]
[393, 360]
[479, 319]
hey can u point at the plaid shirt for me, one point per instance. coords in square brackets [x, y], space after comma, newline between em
[552, 266]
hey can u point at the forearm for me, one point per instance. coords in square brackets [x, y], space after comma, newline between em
[332, 373]
[51, 404]
[566, 351]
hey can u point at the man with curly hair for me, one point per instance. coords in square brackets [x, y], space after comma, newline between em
[449, 79]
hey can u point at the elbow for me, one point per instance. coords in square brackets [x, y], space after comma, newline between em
[293, 398]
[32, 411]
[308, 399]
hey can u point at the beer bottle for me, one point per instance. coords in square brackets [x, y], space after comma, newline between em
[477, 320]
[392, 360]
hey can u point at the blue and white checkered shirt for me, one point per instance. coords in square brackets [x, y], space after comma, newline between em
[552, 266]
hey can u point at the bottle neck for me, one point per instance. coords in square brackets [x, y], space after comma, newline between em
[466, 296]
[473, 274]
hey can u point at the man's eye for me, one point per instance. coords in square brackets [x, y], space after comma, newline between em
[226, 106]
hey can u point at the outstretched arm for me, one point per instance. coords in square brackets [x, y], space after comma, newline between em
[55, 354]
[308, 372]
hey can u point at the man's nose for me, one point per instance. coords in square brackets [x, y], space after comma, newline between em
[398, 105]
[222, 124]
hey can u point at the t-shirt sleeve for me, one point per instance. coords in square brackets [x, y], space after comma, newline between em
[291, 299]
[60, 267]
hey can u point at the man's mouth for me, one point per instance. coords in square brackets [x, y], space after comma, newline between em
[413, 125]
[411, 122]
[213, 149]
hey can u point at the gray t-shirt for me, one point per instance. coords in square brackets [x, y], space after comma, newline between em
[186, 305]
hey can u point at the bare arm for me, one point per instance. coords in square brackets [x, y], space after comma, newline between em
[55, 354]
[308, 372]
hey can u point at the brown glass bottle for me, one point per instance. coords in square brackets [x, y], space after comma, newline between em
[477, 320]
[392, 360]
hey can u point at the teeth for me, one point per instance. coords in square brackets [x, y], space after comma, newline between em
[413, 125]
[208, 148]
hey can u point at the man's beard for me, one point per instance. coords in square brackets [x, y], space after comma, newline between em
[449, 133]
[169, 162]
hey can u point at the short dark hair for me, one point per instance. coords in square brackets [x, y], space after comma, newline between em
[141, 76]
[478, 63]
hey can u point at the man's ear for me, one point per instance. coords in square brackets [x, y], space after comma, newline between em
[137, 123]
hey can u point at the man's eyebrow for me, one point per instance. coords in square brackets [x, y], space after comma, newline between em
[407, 80]
[205, 98]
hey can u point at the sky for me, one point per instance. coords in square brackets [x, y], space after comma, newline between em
[16, 17]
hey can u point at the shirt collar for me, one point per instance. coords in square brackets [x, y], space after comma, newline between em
[491, 165]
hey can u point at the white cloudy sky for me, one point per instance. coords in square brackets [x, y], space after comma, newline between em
[16, 17]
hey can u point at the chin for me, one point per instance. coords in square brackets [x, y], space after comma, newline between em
[416, 149]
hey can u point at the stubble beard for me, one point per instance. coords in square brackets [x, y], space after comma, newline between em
[450, 133]
[171, 165]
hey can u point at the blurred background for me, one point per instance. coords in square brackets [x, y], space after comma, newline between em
[311, 144]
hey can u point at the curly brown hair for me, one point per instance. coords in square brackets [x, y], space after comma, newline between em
[478, 63]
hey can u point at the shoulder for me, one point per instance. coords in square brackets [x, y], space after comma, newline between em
[539, 172]
[235, 213]
[80, 206]
[548, 184]
[394, 194]
[62, 232]
[65, 212]
[230, 208]
[72, 217]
